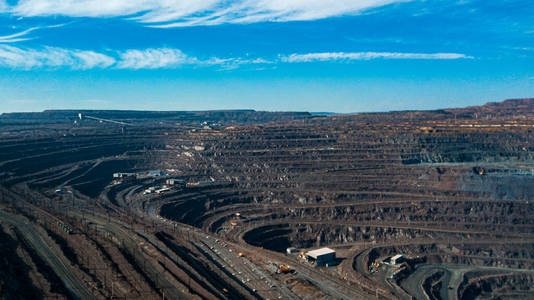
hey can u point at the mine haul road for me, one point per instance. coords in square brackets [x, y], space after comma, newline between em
[337, 288]
[129, 240]
[62, 268]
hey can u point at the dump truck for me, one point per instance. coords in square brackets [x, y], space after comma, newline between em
[284, 269]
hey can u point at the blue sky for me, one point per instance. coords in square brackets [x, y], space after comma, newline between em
[312, 55]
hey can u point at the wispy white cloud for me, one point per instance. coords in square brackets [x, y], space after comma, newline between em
[234, 63]
[524, 48]
[173, 58]
[8, 41]
[52, 57]
[20, 36]
[133, 59]
[348, 56]
[175, 13]
[168, 58]
[153, 59]
[16, 37]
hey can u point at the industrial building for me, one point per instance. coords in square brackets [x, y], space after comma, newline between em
[397, 259]
[163, 190]
[174, 181]
[292, 250]
[156, 173]
[321, 257]
[199, 183]
[123, 175]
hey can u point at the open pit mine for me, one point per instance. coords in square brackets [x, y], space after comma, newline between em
[268, 205]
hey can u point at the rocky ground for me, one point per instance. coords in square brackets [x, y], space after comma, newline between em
[449, 189]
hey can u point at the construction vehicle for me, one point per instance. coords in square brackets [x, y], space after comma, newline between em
[64, 227]
[284, 269]
[376, 264]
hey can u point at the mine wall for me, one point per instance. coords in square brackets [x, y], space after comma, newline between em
[316, 185]
[446, 191]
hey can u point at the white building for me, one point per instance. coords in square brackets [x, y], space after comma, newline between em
[174, 181]
[291, 250]
[322, 256]
[397, 259]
